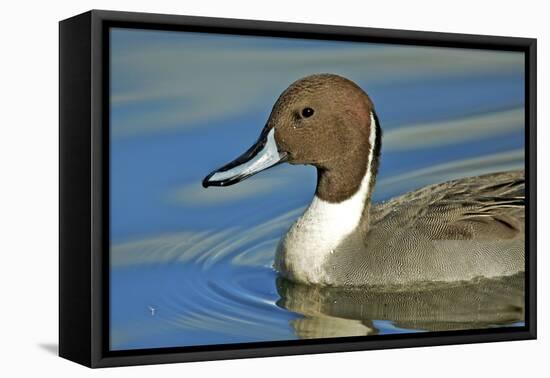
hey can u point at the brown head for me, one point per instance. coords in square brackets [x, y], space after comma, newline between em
[323, 120]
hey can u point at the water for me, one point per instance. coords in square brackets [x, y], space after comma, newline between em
[215, 288]
[191, 266]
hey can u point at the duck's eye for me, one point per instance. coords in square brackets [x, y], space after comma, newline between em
[307, 112]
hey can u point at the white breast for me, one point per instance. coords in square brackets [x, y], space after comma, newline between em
[302, 252]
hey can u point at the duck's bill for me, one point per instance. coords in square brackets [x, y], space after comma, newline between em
[261, 156]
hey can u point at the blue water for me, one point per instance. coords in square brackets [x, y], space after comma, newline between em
[191, 266]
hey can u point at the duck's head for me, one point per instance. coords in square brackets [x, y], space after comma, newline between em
[324, 120]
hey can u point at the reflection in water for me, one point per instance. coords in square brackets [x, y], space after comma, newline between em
[334, 312]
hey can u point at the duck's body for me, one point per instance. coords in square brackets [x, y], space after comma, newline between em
[451, 231]
[457, 230]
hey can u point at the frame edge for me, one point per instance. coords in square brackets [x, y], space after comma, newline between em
[75, 273]
[531, 161]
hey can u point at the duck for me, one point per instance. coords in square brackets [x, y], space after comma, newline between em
[457, 230]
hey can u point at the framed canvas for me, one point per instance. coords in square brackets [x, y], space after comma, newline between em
[234, 188]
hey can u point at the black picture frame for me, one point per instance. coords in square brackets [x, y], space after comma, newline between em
[84, 194]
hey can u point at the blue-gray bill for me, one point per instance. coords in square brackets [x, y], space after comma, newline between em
[261, 156]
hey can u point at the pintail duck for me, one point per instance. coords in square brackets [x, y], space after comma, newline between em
[453, 231]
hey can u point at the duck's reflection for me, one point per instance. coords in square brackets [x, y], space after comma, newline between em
[337, 312]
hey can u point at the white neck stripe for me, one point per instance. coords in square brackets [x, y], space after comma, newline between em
[324, 225]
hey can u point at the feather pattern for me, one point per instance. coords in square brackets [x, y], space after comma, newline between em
[456, 230]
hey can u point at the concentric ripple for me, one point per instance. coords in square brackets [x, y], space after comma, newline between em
[199, 288]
